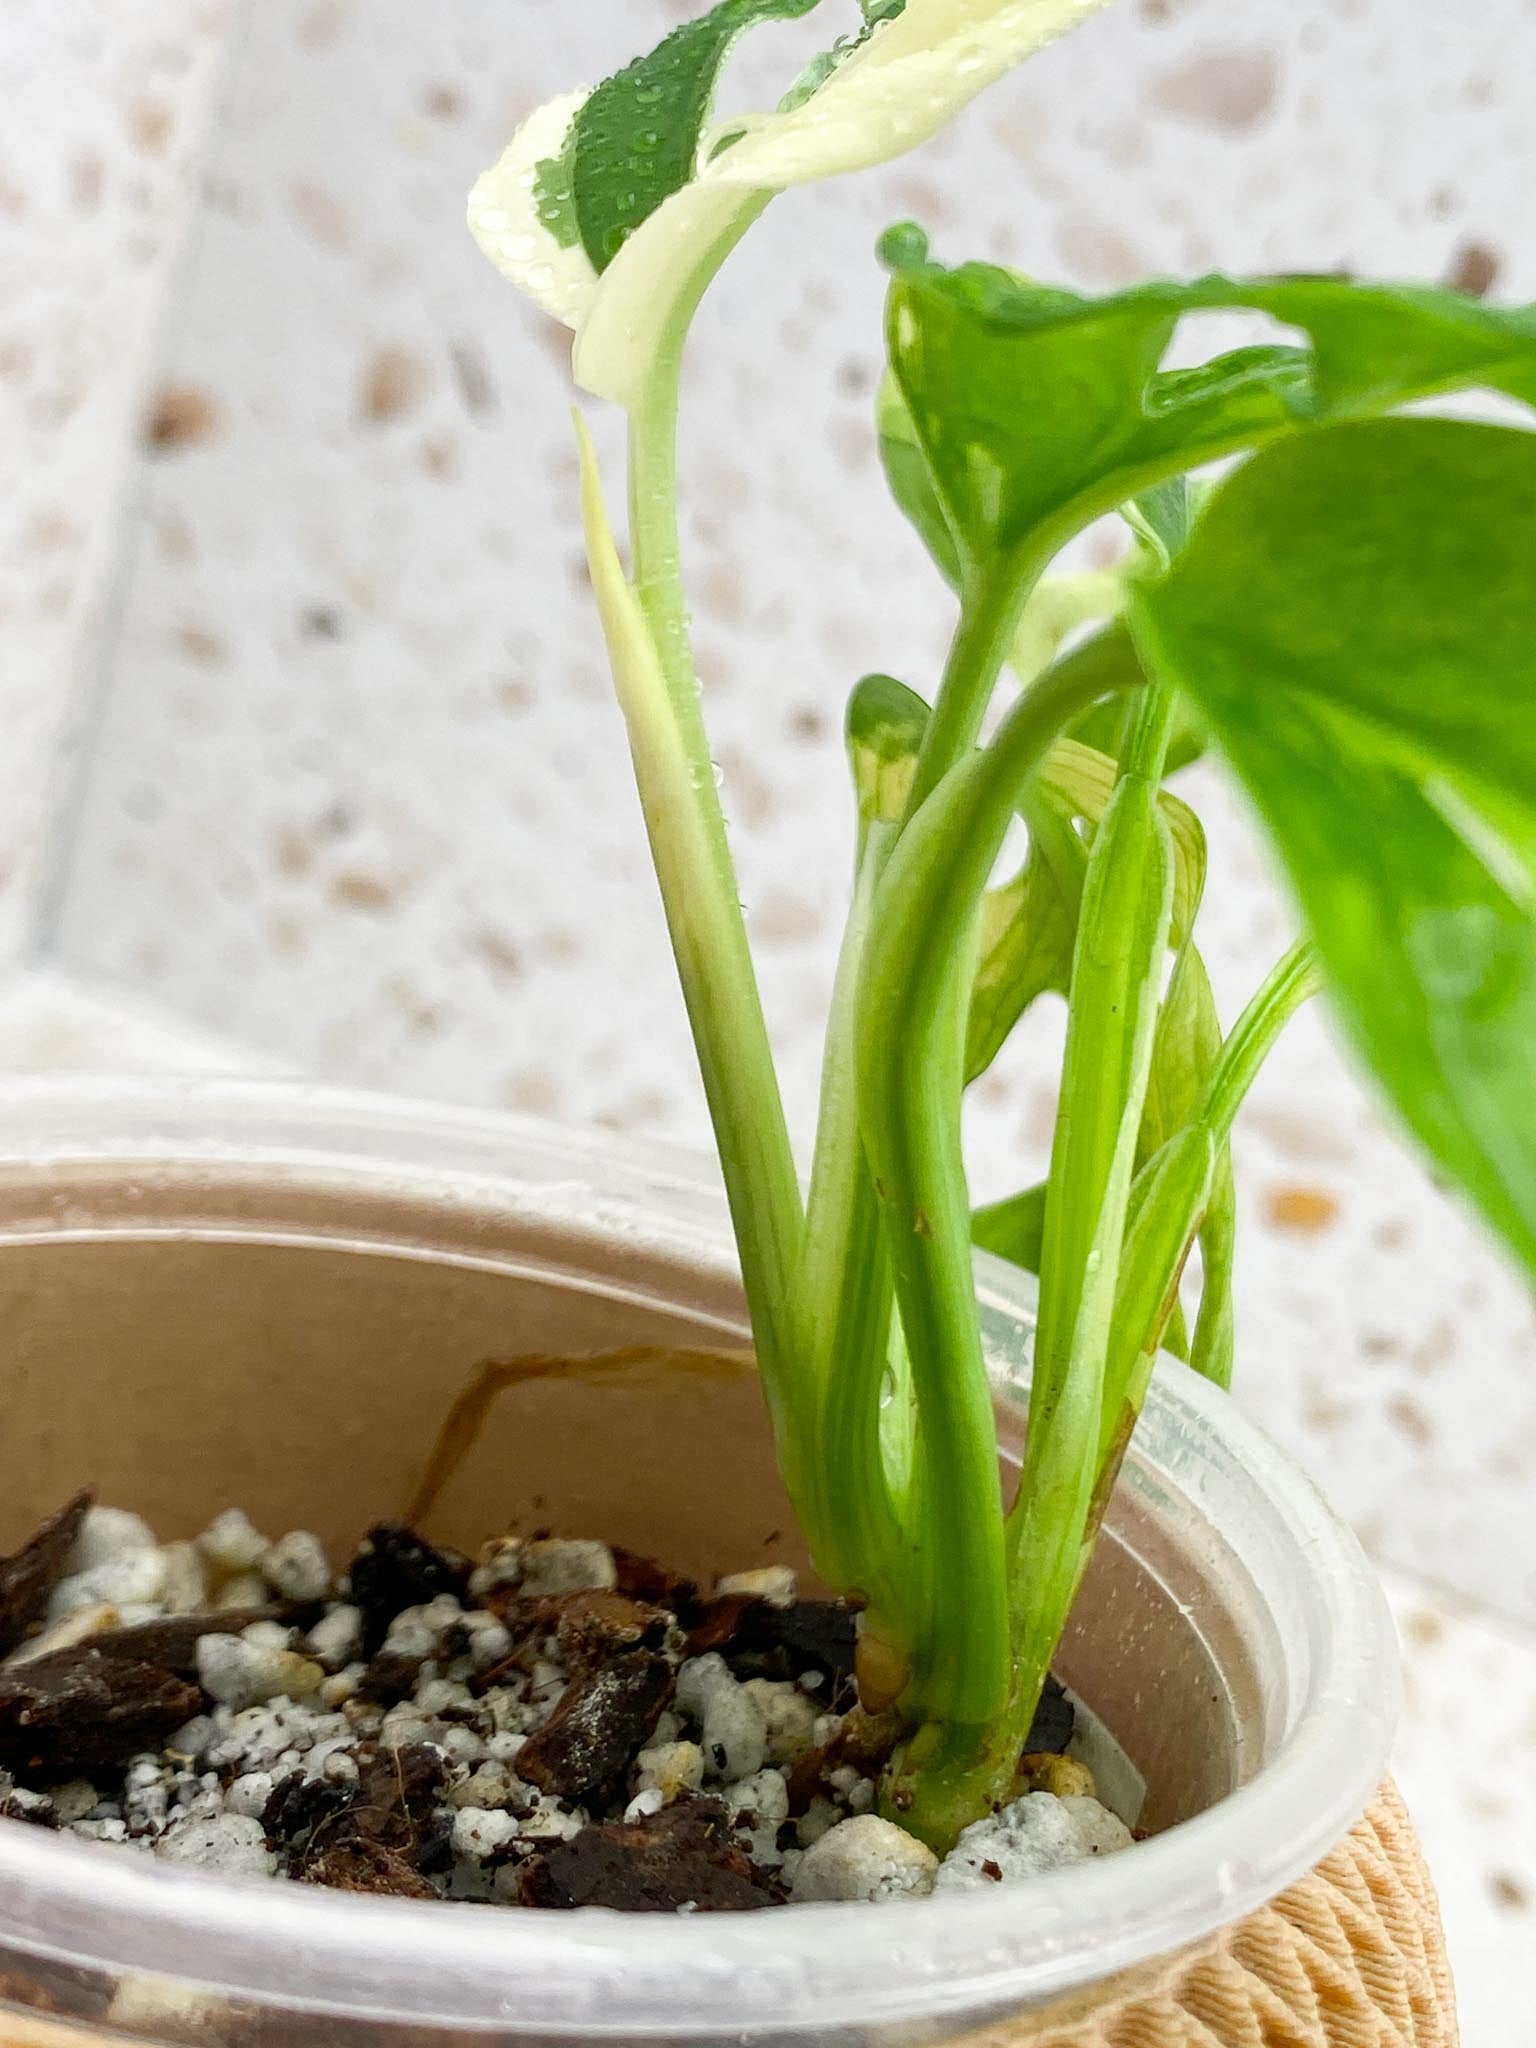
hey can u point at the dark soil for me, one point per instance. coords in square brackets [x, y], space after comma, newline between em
[484, 1740]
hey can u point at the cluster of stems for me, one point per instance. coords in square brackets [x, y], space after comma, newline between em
[861, 1287]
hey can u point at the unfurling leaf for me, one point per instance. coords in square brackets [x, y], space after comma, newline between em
[1013, 1228]
[638, 138]
[885, 727]
[1028, 930]
[523, 214]
[1356, 617]
[873, 98]
[1029, 924]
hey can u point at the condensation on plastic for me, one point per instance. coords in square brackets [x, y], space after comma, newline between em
[342, 1967]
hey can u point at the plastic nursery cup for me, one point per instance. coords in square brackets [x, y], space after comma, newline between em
[219, 1294]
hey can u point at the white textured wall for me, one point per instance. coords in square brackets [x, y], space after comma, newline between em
[104, 127]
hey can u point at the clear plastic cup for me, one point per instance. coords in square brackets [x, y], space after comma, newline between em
[1232, 1633]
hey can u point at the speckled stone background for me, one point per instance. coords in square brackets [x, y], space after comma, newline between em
[104, 132]
[310, 740]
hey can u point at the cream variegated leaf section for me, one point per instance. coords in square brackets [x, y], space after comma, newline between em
[891, 93]
[505, 219]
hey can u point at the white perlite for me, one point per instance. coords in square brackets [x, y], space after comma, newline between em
[1032, 1836]
[244, 1674]
[734, 1732]
[233, 1844]
[74, 1801]
[232, 1543]
[568, 1565]
[865, 1858]
[245, 1589]
[130, 1578]
[669, 1769]
[77, 1627]
[1104, 1833]
[186, 1582]
[789, 1716]
[106, 1533]
[500, 1567]
[775, 1583]
[297, 1567]
[479, 1831]
[338, 1637]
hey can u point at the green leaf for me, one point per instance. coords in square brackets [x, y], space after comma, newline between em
[1013, 1228]
[1168, 1203]
[1029, 924]
[820, 69]
[1212, 1351]
[1184, 1057]
[554, 193]
[1356, 617]
[964, 344]
[885, 727]
[911, 483]
[1083, 780]
[1055, 609]
[1376, 343]
[1028, 929]
[637, 139]
[1162, 517]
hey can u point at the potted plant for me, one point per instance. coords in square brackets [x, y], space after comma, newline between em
[1332, 596]
[1343, 619]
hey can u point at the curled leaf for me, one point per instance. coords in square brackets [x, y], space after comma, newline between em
[897, 83]
[521, 212]
[886, 723]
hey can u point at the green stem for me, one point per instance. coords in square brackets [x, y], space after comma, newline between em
[845, 1284]
[655, 547]
[990, 609]
[1213, 1349]
[911, 1001]
[1110, 1005]
[844, 1293]
[1293, 979]
[701, 896]
[1112, 1014]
